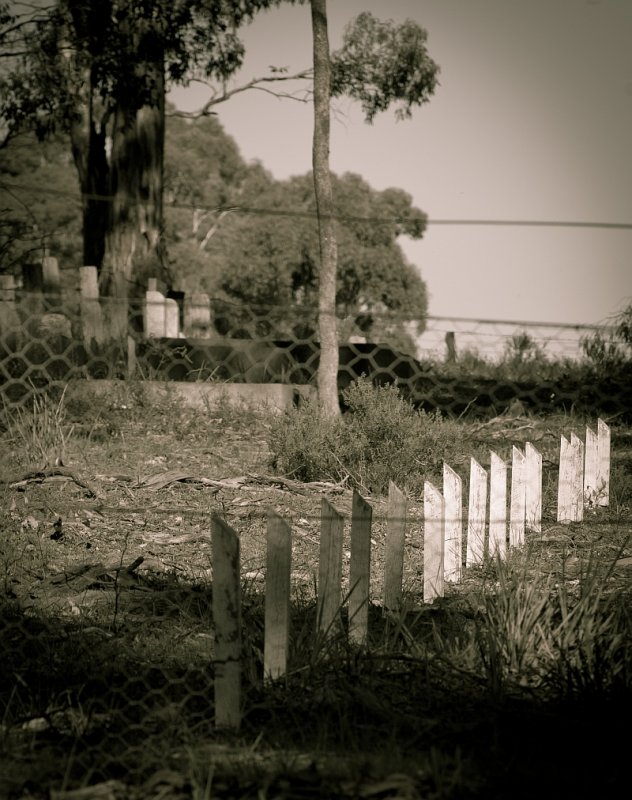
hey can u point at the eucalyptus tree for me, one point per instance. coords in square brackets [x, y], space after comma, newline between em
[99, 72]
[270, 257]
[379, 64]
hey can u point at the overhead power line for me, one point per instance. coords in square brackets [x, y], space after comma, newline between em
[281, 212]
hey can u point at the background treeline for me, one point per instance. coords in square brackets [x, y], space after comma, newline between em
[251, 242]
[233, 231]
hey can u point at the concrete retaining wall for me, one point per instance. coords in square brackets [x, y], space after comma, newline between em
[275, 397]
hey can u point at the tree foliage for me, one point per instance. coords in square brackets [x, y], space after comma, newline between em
[381, 64]
[41, 205]
[271, 256]
[267, 257]
[98, 72]
[204, 174]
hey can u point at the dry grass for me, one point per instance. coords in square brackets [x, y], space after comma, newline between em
[106, 674]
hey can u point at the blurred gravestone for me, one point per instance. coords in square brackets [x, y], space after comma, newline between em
[154, 312]
[197, 316]
[91, 317]
[172, 318]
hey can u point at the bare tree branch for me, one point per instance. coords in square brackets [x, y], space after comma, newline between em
[212, 229]
[21, 21]
[255, 83]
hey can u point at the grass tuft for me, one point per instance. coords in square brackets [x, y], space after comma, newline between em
[40, 434]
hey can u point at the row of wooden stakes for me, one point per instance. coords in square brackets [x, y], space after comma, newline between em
[583, 481]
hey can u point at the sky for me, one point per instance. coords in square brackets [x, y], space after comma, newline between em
[531, 121]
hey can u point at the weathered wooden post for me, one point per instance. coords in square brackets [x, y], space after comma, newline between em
[434, 543]
[477, 508]
[497, 506]
[329, 568]
[277, 600]
[359, 569]
[570, 493]
[227, 620]
[394, 548]
[132, 363]
[578, 477]
[591, 467]
[450, 343]
[603, 470]
[533, 489]
[518, 498]
[597, 466]
[453, 499]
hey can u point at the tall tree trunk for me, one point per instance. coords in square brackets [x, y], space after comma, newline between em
[88, 140]
[327, 324]
[134, 242]
[87, 125]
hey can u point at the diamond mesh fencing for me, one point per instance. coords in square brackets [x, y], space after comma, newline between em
[450, 365]
[106, 616]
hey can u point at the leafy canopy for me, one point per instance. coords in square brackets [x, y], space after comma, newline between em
[381, 63]
[271, 258]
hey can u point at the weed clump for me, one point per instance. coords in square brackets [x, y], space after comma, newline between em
[381, 438]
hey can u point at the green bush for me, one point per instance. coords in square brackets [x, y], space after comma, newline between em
[381, 438]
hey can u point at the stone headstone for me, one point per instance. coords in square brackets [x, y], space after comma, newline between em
[172, 318]
[91, 315]
[154, 313]
[197, 315]
[50, 275]
[53, 325]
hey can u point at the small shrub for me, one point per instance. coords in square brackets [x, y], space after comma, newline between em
[381, 438]
[303, 445]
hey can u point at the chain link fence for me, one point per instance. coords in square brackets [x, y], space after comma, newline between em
[106, 621]
[450, 365]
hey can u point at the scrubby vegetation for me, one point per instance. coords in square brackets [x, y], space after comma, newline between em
[381, 438]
